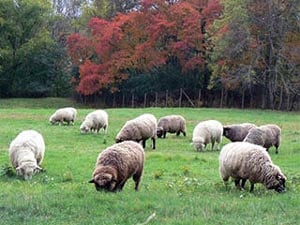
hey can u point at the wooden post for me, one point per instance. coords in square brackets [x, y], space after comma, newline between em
[222, 93]
[199, 97]
[167, 91]
[145, 100]
[180, 97]
[188, 98]
[123, 101]
[132, 100]
[156, 98]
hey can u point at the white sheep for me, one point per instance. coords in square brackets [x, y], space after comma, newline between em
[94, 121]
[243, 160]
[171, 124]
[26, 153]
[116, 164]
[237, 132]
[67, 115]
[139, 129]
[205, 132]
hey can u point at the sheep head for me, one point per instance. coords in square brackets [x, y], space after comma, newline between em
[105, 181]
[276, 180]
[160, 132]
[28, 170]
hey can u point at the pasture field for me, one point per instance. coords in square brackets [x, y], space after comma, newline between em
[179, 185]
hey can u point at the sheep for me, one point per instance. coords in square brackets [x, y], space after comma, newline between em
[266, 136]
[139, 129]
[256, 136]
[26, 153]
[171, 124]
[237, 132]
[206, 132]
[243, 160]
[67, 115]
[273, 133]
[94, 121]
[116, 164]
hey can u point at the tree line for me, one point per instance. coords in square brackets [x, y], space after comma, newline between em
[242, 53]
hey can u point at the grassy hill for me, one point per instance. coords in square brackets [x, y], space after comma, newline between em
[179, 185]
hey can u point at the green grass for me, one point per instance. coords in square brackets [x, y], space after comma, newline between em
[179, 185]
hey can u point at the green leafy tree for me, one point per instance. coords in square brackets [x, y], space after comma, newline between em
[29, 55]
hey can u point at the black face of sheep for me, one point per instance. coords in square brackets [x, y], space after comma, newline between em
[104, 182]
[279, 184]
[160, 132]
[119, 140]
[227, 132]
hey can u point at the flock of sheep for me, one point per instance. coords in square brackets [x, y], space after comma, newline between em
[245, 158]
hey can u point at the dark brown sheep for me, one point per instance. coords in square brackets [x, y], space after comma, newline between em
[116, 164]
[237, 132]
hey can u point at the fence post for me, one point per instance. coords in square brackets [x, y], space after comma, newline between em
[145, 99]
[123, 101]
[167, 91]
[199, 97]
[132, 100]
[180, 97]
[156, 98]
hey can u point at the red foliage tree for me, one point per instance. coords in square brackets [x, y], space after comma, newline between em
[141, 40]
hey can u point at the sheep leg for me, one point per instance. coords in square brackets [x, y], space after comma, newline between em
[184, 133]
[243, 183]
[153, 143]
[212, 145]
[237, 184]
[164, 134]
[177, 133]
[252, 187]
[276, 146]
[144, 143]
[119, 186]
[137, 178]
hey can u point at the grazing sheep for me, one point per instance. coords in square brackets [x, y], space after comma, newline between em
[116, 164]
[256, 136]
[237, 132]
[26, 153]
[273, 133]
[139, 129]
[67, 115]
[206, 132]
[266, 136]
[243, 160]
[171, 124]
[94, 121]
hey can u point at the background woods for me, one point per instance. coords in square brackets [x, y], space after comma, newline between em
[219, 53]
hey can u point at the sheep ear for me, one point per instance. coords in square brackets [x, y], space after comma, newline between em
[92, 181]
[38, 169]
[18, 171]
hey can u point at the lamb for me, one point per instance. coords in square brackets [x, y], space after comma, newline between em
[67, 115]
[206, 132]
[26, 153]
[139, 129]
[171, 124]
[266, 136]
[237, 132]
[243, 160]
[116, 164]
[94, 121]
